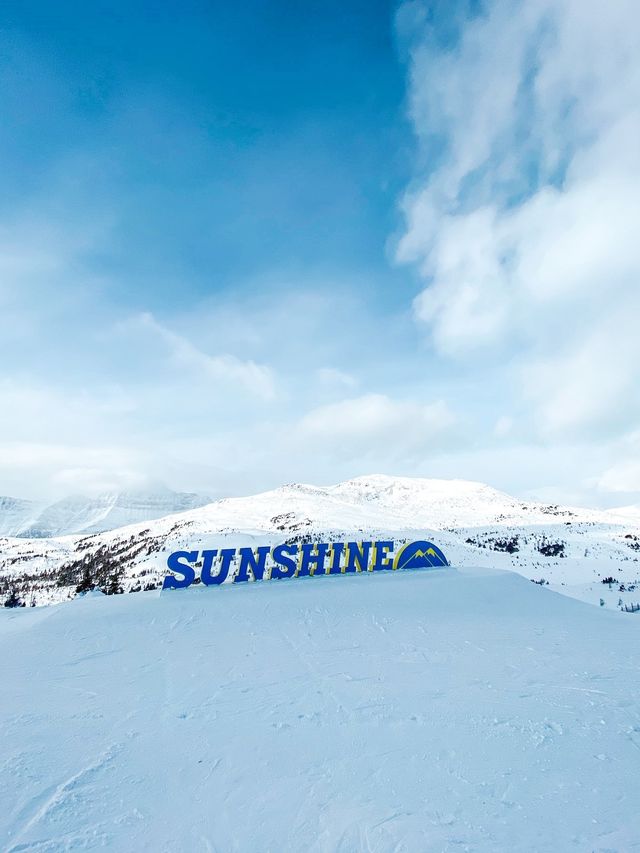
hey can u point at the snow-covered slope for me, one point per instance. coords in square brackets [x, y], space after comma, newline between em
[79, 514]
[631, 511]
[412, 711]
[572, 549]
[17, 515]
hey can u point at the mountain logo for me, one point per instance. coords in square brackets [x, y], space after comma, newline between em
[420, 555]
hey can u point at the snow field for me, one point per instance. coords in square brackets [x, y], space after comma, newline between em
[414, 711]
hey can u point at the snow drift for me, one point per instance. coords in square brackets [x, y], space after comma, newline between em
[409, 711]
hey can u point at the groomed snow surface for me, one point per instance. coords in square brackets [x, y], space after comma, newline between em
[415, 711]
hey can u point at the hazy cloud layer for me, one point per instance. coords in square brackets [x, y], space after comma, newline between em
[188, 287]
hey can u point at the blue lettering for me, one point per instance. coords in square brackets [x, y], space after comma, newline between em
[207, 561]
[187, 572]
[283, 556]
[381, 550]
[312, 557]
[358, 556]
[337, 549]
[226, 555]
[253, 561]
[292, 560]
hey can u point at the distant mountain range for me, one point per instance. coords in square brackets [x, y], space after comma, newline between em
[34, 520]
[475, 525]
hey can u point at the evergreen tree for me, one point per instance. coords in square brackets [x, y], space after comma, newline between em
[113, 587]
[86, 582]
[13, 600]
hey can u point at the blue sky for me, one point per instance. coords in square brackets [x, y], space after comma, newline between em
[227, 143]
[240, 247]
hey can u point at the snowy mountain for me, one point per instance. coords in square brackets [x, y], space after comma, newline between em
[433, 711]
[17, 515]
[571, 549]
[78, 514]
[631, 511]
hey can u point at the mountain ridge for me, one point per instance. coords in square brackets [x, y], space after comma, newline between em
[473, 523]
[80, 514]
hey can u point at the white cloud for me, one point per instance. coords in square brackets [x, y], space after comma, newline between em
[624, 474]
[41, 411]
[54, 470]
[622, 477]
[525, 229]
[375, 423]
[332, 377]
[54, 441]
[254, 378]
[503, 426]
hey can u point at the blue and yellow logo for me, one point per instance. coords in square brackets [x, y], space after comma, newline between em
[420, 555]
[213, 566]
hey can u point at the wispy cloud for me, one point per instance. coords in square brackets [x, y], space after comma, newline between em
[378, 426]
[254, 378]
[524, 228]
[332, 377]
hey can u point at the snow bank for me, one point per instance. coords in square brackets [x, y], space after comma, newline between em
[419, 711]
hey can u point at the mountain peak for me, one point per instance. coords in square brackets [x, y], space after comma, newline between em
[82, 514]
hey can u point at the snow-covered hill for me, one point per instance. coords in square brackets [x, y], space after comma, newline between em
[79, 514]
[632, 511]
[17, 515]
[572, 549]
[430, 711]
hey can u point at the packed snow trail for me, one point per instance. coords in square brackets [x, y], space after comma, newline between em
[417, 711]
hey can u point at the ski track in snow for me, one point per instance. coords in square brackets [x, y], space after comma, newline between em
[419, 711]
[60, 798]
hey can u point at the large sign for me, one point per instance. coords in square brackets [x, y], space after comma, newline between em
[214, 566]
